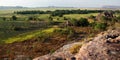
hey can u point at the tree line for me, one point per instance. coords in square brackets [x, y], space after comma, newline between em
[59, 12]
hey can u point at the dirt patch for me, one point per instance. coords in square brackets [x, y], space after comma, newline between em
[32, 48]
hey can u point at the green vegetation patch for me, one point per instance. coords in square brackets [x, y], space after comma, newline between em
[78, 16]
[29, 35]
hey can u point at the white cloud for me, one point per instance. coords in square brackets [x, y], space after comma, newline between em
[72, 3]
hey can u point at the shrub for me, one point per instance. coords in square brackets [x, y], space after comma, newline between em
[93, 24]
[74, 22]
[81, 22]
[66, 31]
[50, 22]
[100, 26]
[92, 17]
[14, 18]
[118, 19]
[32, 18]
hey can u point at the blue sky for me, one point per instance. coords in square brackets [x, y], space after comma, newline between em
[62, 3]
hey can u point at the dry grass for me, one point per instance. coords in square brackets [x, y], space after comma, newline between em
[74, 49]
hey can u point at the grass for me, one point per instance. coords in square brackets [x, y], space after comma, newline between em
[78, 16]
[29, 35]
[74, 49]
[11, 36]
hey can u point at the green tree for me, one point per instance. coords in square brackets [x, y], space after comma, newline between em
[92, 17]
[14, 17]
[83, 22]
[50, 18]
[32, 18]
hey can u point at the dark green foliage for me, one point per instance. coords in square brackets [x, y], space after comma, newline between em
[59, 13]
[32, 18]
[92, 17]
[62, 12]
[65, 31]
[104, 19]
[74, 22]
[118, 19]
[4, 18]
[50, 18]
[32, 12]
[100, 26]
[93, 24]
[65, 18]
[14, 18]
[53, 22]
[81, 22]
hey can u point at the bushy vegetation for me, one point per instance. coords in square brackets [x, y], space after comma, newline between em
[37, 31]
[60, 12]
[14, 18]
[43, 34]
[63, 31]
[92, 17]
[100, 26]
[35, 19]
[66, 31]
[81, 22]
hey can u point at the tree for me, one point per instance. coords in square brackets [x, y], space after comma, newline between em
[50, 18]
[4, 18]
[14, 17]
[83, 22]
[32, 18]
[92, 17]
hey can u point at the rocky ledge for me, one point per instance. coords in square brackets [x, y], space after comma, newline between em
[105, 46]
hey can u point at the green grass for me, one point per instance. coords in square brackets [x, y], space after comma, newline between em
[12, 36]
[29, 35]
[78, 16]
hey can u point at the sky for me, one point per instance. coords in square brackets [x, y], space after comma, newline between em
[59, 3]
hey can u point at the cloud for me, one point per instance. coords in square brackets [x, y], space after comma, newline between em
[70, 3]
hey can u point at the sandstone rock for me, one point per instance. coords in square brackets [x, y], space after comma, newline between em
[104, 47]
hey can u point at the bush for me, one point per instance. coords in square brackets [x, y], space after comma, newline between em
[118, 19]
[66, 31]
[81, 22]
[74, 22]
[32, 18]
[93, 24]
[92, 17]
[53, 22]
[100, 26]
[14, 18]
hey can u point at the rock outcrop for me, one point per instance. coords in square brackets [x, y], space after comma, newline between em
[61, 54]
[106, 46]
